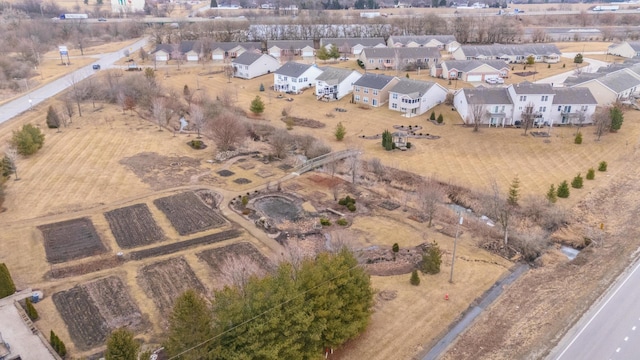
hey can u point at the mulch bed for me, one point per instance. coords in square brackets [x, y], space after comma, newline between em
[304, 122]
[181, 245]
[389, 205]
[215, 257]
[70, 240]
[133, 226]
[225, 173]
[525, 73]
[188, 214]
[242, 181]
[285, 167]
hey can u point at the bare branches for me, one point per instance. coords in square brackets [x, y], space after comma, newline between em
[476, 112]
[227, 130]
[198, 118]
[602, 121]
[528, 117]
[237, 270]
[429, 195]
[280, 141]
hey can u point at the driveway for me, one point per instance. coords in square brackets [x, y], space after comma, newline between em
[36, 96]
[594, 65]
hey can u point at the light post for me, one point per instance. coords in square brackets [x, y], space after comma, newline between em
[30, 104]
[455, 243]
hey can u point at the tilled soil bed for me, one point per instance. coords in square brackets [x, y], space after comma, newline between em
[133, 226]
[70, 240]
[188, 214]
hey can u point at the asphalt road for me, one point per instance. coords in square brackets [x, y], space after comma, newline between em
[594, 65]
[611, 329]
[36, 96]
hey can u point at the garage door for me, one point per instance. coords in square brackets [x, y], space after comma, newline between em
[217, 57]
[192, 58]
[161, 57]
[471, 78]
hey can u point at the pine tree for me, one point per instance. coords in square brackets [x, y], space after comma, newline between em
[432, 259]
[323, 53]
[432, 117]
[563, 190]
[7, 287]
[578, 138]
[121, 346]
[591, 174]
[31, 310]
[190, 324]
[340, 131]
[602, 166]
[395, 248]
[576, 183]
[440, 119]
[514, 192]
[53, 119]
[387, 140]
[415, 279]
[214, 4]
[57, 344]
[552, 196]
[28, 140]
[616, 119]
[257, 106]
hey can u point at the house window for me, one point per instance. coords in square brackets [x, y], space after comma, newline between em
[365, 100]
[366, 90]
[357, 97]
[357, 89]
[285, 78]
[542, 109]
[584, 108]
[394, 96]
[502, 108]
[375, 92]
[294, 80]
[394, 106]
[279, 77]
[370, 61]
[559, 107]
[567, 109]
[523, 98]
[374, 102]
[545, 98]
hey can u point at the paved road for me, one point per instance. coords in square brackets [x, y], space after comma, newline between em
[594, 65]
[611, 329]
[36, 96]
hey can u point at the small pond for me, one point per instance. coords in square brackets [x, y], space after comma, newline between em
[278, 208]
[569, 252]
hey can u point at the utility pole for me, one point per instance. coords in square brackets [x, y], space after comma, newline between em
[455, 243]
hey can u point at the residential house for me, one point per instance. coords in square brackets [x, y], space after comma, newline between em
[538, 96]
[442, 42]
[163, 52]
[512, 53]
[373, 89]
[294, 77]
[231, 50]
[190, 50]
[573, 106]
[283, 49]
[472, 70]
[415, 97]
[352, 46]
[186, 50]
[610, 87]
[627, 49]
[335, 83]
[399, 58]
[250, 65]
[494, 105]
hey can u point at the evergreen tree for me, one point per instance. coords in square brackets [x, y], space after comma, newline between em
[57, 344]
[602, 166]
[189, 324]
[6, 167]
[578, 59]
[552, 195]
[28, 140]
[432, 116]
[121, 346]
[334, 52]
[31, 310]
[591, 174]
[578, 138]
[415, 278]
[257, 106]
[7, 287]
[340, 131]
[576, 183]
[395, 248]
[563, 190]
[323, 53]
[432, 259]
[387, 140]
[616, 118]
[440, 119]
[514, 192]
[531, 60]
[53, 120]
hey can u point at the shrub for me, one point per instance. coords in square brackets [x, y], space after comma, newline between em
[257, 106]
[415, 279]
[432, 116]
[563, 190]
[578, 138]
[246, 211]
[245, 200]
[564, 66]
[261, 87]
[196, 144]
[7, 287]
[440, 119]
[340, 131]
[395, 247]
[576, 183]
[325, 222]
[409, 145]
[351, 207]
[552, 196]
[548, 66]
[578, 59]
[31, 310]
[432, 259]
[345, 201]
[591, 174]
[602, 166]
[342, 222]
[53, 120]
[57, 344]
[28, 140]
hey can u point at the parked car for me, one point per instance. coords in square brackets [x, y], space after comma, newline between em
[499, 81]
[96, 67]
[102, 19]
[491, 81]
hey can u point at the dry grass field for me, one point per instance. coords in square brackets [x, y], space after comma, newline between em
[79, 172]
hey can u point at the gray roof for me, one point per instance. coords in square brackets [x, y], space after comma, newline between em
[488, 96]
[468, 65]
[247, 58]
[374, 81]
[498, 50]
[619, 81]
[168, 48]
[413, 88]
[422, 39]
[403, 53]
[293, 69]
[288, 44]
[351, 42]
[226, 46]
[575, 95]
[334, 76]
[527, 88]
[582, 78]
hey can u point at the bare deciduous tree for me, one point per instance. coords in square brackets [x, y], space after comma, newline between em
[376, 167]
[158, 110]
[280, 141]
[527, 117]
[476, 113]
[12, 154]
[69, 109]
[237, 270]
[354, 166]
[429, 195]
[78, 93]
[229, 71]
[198, 119]
[499, 209]
[227, 130]
[602, 121]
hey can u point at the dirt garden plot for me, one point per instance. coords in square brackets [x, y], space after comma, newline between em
[71, 239]
[133, 226]
[216, 257]
[164, 281]
[93, 309]
[175, 247]
[161, 172]
[188, 214]
[278, 208]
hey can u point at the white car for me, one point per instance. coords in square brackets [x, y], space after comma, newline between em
[491, 81]
[499, 80]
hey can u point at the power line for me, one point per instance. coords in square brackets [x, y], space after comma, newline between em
[259, 315]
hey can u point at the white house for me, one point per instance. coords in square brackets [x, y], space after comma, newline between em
[294, 77]
[573, 106]
[335, 83]
[442, 42]
[493, 105]
[472, 70]
[607, 88]
[231, 50]
[162, 52]
[538, 96]
[399, 58]
[289, 48]
[250, 65]
[352, 46]
[627, 49]
[513, 53]
[415, 97]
